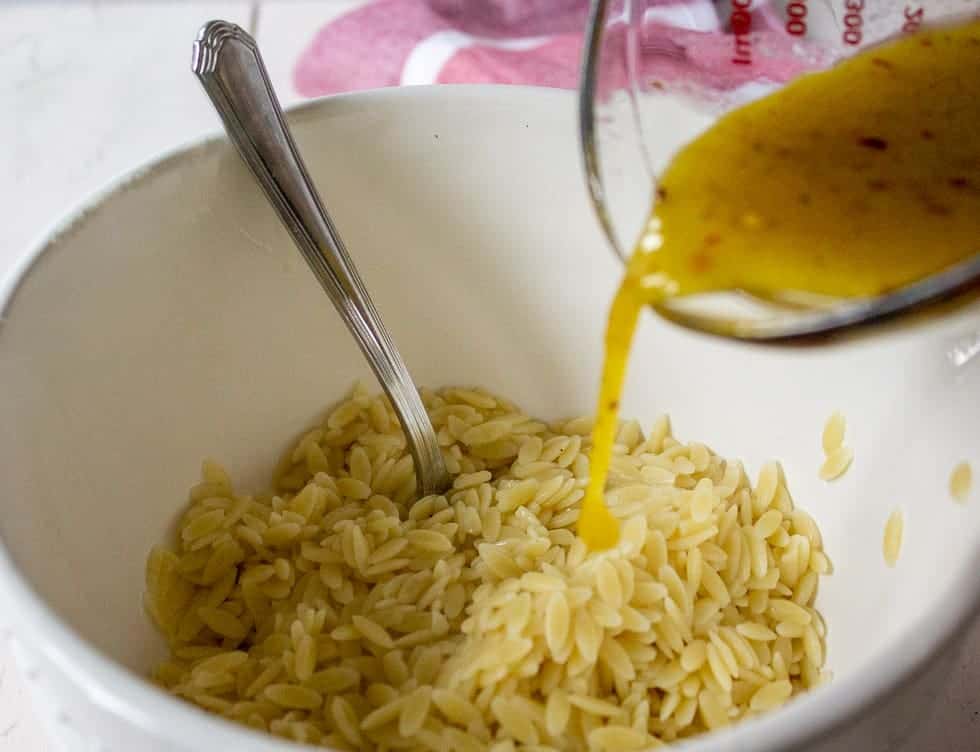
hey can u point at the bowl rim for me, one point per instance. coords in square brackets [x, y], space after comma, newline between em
[118, 690]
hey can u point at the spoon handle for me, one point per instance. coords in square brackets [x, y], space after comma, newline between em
[226, 59]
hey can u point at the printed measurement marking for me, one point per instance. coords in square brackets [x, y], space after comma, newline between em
[796, 18]
[853, 22]
[741, 24]
[914, 16]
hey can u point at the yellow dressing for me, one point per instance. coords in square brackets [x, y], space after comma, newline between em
[597, 527]
[847, 183]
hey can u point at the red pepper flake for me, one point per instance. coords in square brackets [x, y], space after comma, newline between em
[873, 142]
[878, 185]
[934, 207]
[882, 63]
[927, 135]
[701, 262]
[959, 182]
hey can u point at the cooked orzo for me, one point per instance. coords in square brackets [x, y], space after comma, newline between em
[341, 610]
[960, 481]
[837, 457]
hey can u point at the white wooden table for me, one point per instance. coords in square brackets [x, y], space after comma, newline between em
[90, 89]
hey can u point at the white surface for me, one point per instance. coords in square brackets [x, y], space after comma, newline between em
[90, 98]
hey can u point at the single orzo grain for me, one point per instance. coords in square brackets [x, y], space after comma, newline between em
[892, 542]
[960, 482]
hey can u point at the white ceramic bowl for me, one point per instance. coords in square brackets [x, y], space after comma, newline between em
[170, 319]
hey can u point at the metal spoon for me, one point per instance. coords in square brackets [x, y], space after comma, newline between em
[226, 59]
[772, 319]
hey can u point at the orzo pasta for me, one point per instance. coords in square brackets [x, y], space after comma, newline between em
[339, 609]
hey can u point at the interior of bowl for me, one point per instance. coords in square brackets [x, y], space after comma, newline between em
[174, 321]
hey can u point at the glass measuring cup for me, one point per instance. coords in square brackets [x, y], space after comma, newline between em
[658, 72]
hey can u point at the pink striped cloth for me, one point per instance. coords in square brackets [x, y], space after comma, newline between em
[535, 42]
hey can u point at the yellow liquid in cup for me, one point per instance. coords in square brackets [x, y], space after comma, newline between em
[849, 183]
